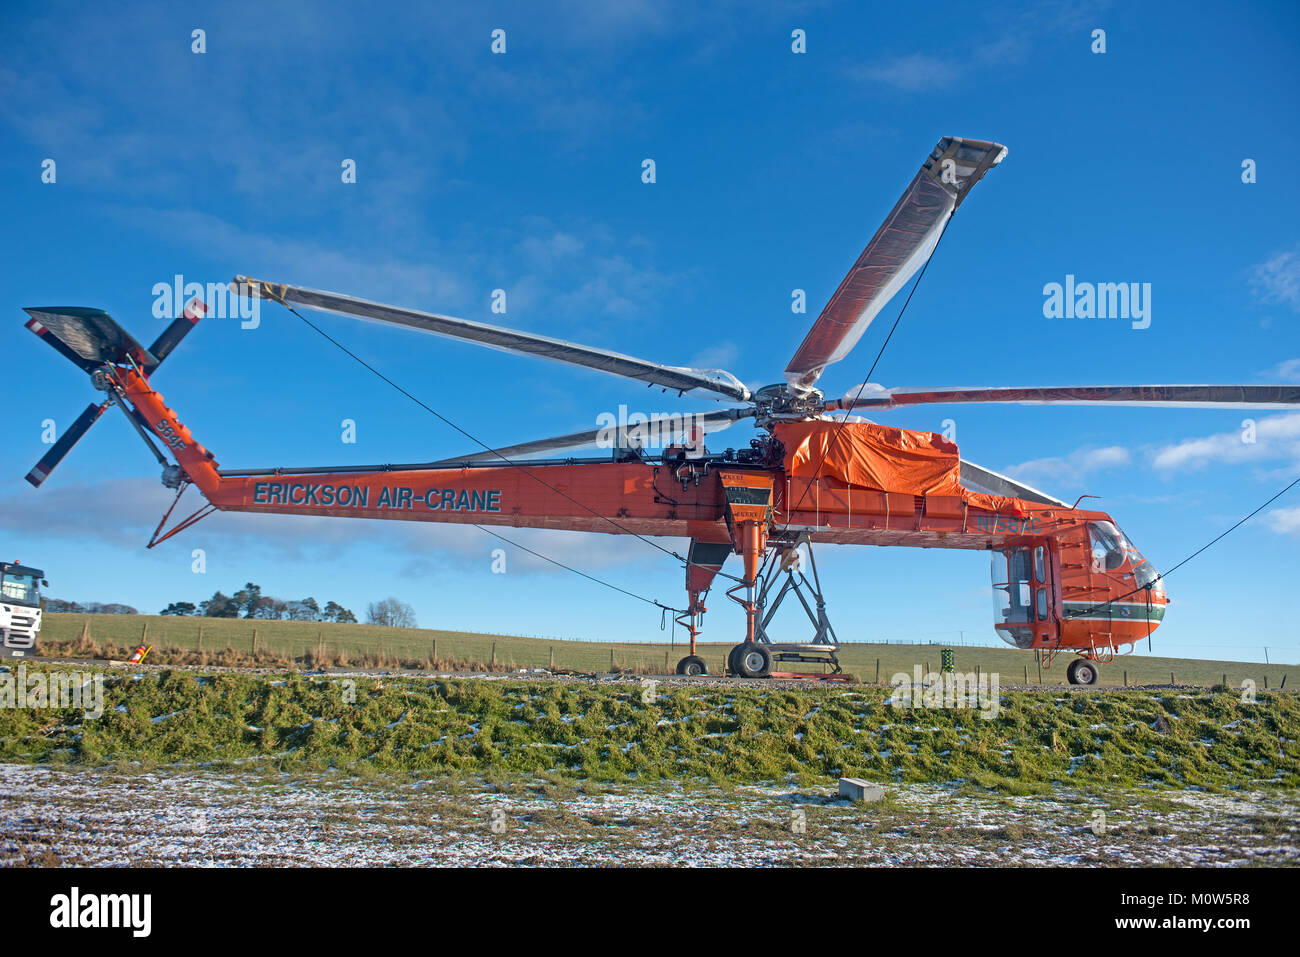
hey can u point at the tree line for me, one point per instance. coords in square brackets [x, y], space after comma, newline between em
[59, 606]
[249, 602]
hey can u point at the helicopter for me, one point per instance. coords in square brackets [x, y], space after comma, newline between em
[1065, 580]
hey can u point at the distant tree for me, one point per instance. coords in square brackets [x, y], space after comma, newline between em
[58, 605]
[305, 610]
[274, 609]
[391, 613]
[336, 612]
[250, 601]
[220, 606]
[117, 609]
[179, 608]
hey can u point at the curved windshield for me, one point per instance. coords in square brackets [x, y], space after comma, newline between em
[1146, 576]
[20, 589]
[1109, 546]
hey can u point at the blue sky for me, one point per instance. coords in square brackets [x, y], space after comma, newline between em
[522, 171]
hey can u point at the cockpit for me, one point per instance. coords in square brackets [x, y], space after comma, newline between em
[1107, 583]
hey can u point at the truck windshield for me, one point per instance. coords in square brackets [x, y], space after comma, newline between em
[20, 589]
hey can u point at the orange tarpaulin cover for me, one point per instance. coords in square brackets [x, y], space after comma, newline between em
[873, 456]
[867, 455]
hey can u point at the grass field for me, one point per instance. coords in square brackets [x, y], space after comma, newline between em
[285, 641]
[617, 731]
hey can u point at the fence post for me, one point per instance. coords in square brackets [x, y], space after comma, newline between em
[1038, 657]
[877, 671]
[494, 654]
[254, 641]
[1026, 674]
[200, 638]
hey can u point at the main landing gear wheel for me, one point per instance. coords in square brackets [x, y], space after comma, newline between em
[692, 665]
[752, 660]
[1081, 672]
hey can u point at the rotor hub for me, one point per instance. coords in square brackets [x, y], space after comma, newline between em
[781, 402]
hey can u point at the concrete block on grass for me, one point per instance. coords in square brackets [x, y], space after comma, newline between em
[856, 789]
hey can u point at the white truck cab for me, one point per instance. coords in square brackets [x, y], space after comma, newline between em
[20, 609]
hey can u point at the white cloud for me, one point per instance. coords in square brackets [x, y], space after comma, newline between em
[1012, 40]
[1070, 468]
[1285, 521]
[1275, 437]
[912, 72]
[720, 356]
[1287, 371]
[1277, 281]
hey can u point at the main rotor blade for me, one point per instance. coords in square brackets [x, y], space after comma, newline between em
[42, 469]
[641, 433]
[899, 248]
[510, 340]
[1167, 396]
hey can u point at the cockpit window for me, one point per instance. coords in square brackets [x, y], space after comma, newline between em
[1109, 547]
[1145, 574]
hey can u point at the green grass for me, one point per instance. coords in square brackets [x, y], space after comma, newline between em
[604, 732]
[415, 647]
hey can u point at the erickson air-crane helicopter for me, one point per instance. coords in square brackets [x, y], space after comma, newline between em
[1065, 579]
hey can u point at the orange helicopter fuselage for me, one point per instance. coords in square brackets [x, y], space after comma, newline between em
[854, 483]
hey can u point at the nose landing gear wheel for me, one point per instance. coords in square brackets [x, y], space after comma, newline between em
[1081, 672]
[692, 665]
[751, 660]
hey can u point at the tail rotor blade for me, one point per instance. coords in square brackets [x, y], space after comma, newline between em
[171, 336]
[41, 471]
